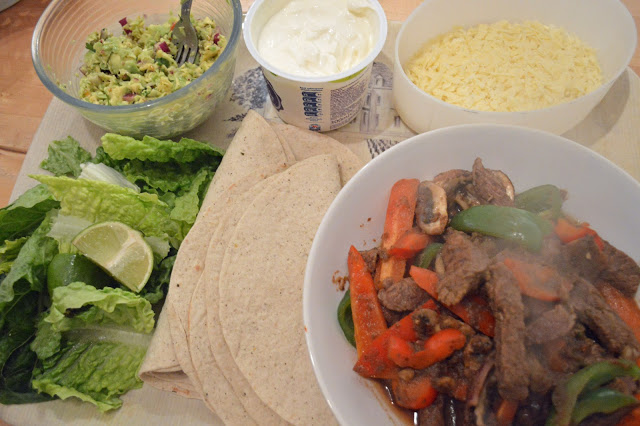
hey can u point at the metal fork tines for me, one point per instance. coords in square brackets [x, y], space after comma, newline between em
[185, 36]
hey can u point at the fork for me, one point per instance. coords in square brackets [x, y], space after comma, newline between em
[185, 36]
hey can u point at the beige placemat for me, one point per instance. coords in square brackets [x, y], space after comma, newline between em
[612, 129]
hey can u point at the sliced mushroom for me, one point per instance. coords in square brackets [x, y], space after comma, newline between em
[431, 208]
[492, 186]
[452, 180]
[458, 185]
[464, 198]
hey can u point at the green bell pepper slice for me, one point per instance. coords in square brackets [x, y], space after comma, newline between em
[603, 400]
[428, 254]
[345, 318]
[510, 223]
[586, 381]
[545, 200]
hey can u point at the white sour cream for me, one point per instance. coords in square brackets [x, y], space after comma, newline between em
[318, 37]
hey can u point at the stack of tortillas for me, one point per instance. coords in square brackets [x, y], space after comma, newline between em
[231, 331]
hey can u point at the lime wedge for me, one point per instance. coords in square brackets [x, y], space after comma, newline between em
[119, 250]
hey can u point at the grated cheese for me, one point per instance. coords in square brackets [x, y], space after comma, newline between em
[506, 67]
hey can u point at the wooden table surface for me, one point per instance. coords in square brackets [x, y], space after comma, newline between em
[24, 99]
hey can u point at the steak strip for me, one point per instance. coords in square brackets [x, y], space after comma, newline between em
[506, 303]
[552, 324]
[594, 312]
[465, 265]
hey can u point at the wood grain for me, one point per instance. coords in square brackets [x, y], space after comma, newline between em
[24, 100]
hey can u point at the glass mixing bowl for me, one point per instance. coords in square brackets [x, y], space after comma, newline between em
[58, 48]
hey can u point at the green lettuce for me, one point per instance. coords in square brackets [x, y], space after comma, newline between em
[168, 169]
[187, 150]
[65, 157]
[156, 288]
[17, 360]
[9, 252]
[161, 178]
[81, 341]
[98, 201]
[187, 204]
[92, 343]
[28, 272]
[105, 173]
[25, 214]
[22, 299]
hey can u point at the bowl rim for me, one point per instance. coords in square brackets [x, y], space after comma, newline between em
[501, 114]
[344, 193]
[226, 54]
[373, 54]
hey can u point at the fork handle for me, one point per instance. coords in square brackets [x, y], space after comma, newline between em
[185, 10]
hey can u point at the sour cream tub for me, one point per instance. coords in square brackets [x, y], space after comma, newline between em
[319, 103]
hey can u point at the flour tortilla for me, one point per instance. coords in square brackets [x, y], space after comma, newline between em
[217, 393]
[215, 376]
[254, 147]
[160, 368]
[260, 289]
[305, 143]
[195, 253]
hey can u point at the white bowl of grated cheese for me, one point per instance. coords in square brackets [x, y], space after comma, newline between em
[546, 77]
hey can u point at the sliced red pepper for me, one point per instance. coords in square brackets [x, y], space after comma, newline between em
[473, 310]
[410, 244]
[426, 280]
[438, 347]
[537, 281]
[398, 220]
[414, 394]
[626, 308]
[368, 319]
[375, 362]
[400, 351]
[568, 232]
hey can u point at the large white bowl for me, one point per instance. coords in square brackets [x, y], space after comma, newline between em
[606, 25]
[599, 192]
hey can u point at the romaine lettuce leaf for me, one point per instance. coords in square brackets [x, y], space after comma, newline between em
[28, 272]
[65, 157]
[108, 306]
[178, 172]
[187, 205]
[92, 343]
[75, 373]
[98, 201]
[21, 292]
[9, 252]
[25, 214]
[86, 327]
[100, 171]
[159, 177]
[17, 361]
[187, 150]
[156, 288]
[64, 229]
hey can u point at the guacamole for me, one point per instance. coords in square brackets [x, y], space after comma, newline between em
[139, 65]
